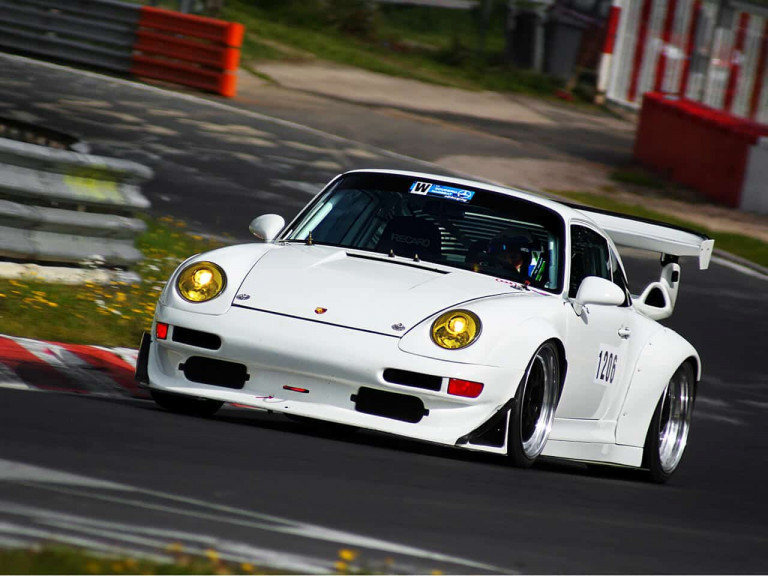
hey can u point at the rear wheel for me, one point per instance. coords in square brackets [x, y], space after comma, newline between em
[186, 404]
[668, 433]
[534, 408]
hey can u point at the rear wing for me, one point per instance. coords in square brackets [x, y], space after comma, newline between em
[653, 236]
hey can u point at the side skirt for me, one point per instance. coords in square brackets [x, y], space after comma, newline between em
[595, 452]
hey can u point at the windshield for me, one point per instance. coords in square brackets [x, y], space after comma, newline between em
[448, 224]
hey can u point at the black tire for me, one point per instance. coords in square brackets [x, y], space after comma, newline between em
[670, 425]
[189, 405]
[534, 408]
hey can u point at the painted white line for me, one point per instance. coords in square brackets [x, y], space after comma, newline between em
[139, 538]
[739, 268]
[55, 481]
[10, 542]
[11, 471]
[15, 386]
[65, 538]
[293, 528]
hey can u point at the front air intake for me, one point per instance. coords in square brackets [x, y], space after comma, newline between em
[215, 372]
[414, 379]
[196, 338]
[389, 405]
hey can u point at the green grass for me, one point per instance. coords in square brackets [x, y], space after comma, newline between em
[752, 249]
[113, 314]
[68, 560]
[637, 176]
[429, 44]
[60, 559]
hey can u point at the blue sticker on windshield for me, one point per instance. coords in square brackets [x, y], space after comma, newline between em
[447, 192]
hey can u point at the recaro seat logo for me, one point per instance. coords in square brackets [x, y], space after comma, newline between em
[405, 239]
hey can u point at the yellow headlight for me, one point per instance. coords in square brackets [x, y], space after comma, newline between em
[201, 281]
[456, 329]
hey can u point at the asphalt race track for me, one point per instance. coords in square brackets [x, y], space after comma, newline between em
[117, 471]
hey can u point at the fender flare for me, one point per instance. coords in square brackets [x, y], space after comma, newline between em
[664, 353]
[524, 343]
[540, 333]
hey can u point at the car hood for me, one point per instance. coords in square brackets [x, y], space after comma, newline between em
[359, 290]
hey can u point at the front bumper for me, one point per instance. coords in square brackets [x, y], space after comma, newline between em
[331, 364]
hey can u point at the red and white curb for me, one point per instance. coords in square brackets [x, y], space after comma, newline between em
[27, 364]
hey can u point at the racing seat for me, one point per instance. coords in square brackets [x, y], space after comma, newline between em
[410, 235]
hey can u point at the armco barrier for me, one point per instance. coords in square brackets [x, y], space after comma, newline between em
[69, 208]
[127, 38]
[698, 146]
[98, 33]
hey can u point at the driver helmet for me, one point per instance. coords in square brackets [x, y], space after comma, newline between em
[510, 246]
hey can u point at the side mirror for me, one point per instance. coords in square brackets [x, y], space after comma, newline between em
[656, 301]
[267, 227]
[595, 290]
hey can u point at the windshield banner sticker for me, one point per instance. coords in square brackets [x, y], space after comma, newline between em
[447, 192]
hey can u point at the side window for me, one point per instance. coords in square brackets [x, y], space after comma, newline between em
[590, 256]
[618, 277]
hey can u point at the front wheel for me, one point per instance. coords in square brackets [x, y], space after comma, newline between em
[534, 408]
[668, 433]
[185, 404]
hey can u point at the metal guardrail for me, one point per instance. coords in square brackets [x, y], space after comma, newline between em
[128, 39]
[64, 207]
[95, 33]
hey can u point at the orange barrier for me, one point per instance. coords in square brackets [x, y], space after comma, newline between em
[190, 50]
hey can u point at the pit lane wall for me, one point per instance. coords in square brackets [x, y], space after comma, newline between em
[126, 38]
[708, 51]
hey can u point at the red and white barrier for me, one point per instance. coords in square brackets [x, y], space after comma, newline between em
[27, 364]
[716, 153]
[608, 48]
[690, 48]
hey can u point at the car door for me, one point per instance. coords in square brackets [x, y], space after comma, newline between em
[597, 340]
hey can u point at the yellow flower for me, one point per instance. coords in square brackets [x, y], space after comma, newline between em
[53, 304]
[437, 572]
[212, 555]
[246, 567]
[121, 297]
[175, 547]
[341, 567]
[347, 555]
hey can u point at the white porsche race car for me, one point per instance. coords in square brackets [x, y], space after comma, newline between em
[443, 310]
